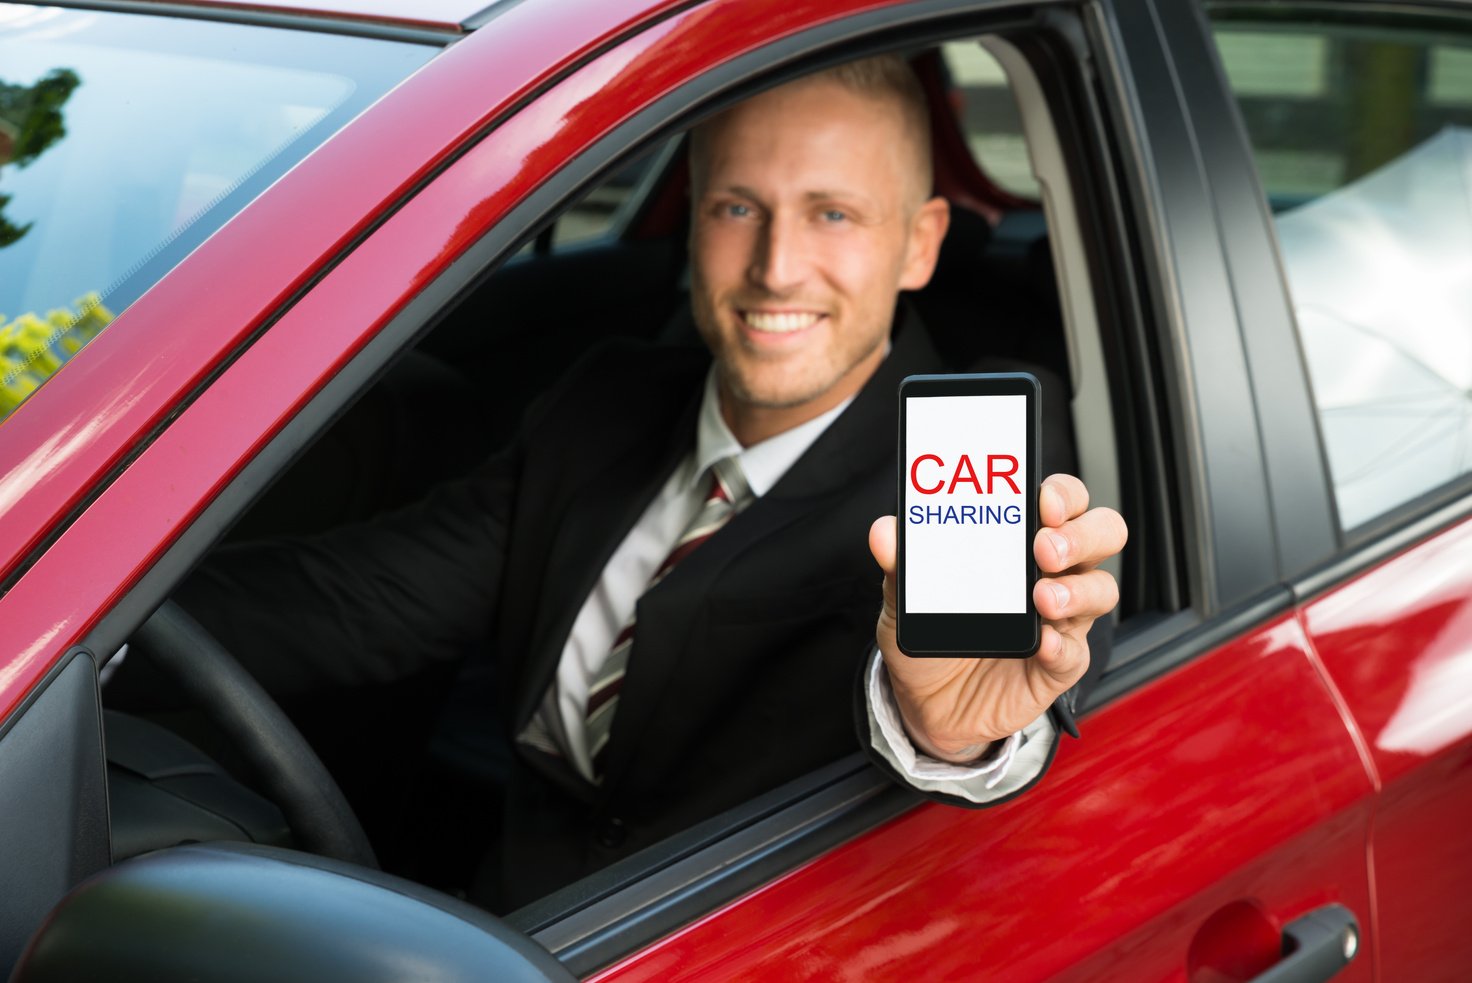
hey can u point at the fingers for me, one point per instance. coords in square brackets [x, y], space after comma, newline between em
[1062, 497]
[1080, 543]
[1086, 595]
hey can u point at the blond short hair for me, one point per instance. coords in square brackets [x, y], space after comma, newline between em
[887, 76]
[890, 77]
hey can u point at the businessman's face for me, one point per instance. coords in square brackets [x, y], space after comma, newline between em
[809, 216]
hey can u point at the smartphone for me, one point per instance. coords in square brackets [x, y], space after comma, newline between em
[968, 494]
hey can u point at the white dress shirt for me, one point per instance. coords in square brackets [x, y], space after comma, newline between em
[558, 726]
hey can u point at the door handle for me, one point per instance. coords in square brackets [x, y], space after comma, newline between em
[1315, 947]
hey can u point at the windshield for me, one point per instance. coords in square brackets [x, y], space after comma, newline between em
[126, 139]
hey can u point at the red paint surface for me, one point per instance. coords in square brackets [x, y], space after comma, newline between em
[1397, 642]
[1237, 943]
[1231, 780]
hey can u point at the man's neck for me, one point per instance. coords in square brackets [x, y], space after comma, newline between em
[752, 424]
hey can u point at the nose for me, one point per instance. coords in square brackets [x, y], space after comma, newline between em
[779, 262]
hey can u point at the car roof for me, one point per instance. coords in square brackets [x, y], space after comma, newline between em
[441, 14]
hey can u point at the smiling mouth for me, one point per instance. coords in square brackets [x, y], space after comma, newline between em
[779, 322]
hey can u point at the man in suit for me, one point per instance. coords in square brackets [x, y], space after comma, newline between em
[665, 583]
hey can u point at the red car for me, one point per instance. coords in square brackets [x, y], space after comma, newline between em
[1241, 233]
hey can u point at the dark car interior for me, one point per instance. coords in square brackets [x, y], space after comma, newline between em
[173, 773]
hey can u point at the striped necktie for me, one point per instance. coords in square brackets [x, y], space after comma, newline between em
[729, 494]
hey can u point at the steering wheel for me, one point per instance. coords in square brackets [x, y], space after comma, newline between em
[289, 771]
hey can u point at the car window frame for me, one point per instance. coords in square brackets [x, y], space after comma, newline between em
[1155, 108]
[1208, 249]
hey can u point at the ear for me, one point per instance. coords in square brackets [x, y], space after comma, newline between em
[927, 230]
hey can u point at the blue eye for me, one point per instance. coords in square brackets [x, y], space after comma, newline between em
[738, 210]
[834, 215]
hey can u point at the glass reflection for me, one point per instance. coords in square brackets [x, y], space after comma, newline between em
[30, 121]
[127, 139]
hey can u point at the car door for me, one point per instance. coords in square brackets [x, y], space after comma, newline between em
[1361, 141]
[147, 447]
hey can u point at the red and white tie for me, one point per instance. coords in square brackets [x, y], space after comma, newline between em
[729, 494]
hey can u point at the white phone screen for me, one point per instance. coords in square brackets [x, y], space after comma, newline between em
[965, 513]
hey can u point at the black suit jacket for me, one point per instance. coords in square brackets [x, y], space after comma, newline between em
[746, 657]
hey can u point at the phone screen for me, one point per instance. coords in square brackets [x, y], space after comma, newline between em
[968, 512]
[965, 510]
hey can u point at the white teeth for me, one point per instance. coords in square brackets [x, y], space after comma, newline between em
[782, 323]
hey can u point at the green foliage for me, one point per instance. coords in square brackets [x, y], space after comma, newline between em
[9, 231]
[30, 122]
[33, 348]
[34, 111]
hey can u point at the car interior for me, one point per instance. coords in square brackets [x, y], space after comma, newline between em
[1012, 285]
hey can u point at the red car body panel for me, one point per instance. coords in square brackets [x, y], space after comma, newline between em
[946, 894]
[1397, 642]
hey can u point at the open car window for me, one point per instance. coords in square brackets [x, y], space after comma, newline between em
[509, 336]
[996, 299]
[986, 108]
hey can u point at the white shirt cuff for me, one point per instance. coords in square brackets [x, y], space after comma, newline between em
[1022, 758]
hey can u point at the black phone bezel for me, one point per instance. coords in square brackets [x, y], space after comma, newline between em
[952, 635]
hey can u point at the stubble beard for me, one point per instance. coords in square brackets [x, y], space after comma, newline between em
[804, 389]
[727, 350]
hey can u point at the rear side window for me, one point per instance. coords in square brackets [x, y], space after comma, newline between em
[987, 110]
[1362, 131]
[125, 140]
[604, 210]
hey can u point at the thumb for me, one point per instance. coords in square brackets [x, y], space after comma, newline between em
[881, 543]
[1062, 658]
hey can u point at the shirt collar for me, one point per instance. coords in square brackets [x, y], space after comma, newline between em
[763, 463]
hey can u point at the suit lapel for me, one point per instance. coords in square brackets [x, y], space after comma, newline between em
[632, 465]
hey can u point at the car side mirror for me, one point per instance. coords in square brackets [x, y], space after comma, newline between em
[242, 912]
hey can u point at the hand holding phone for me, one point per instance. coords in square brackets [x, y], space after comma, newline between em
[954, 707]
